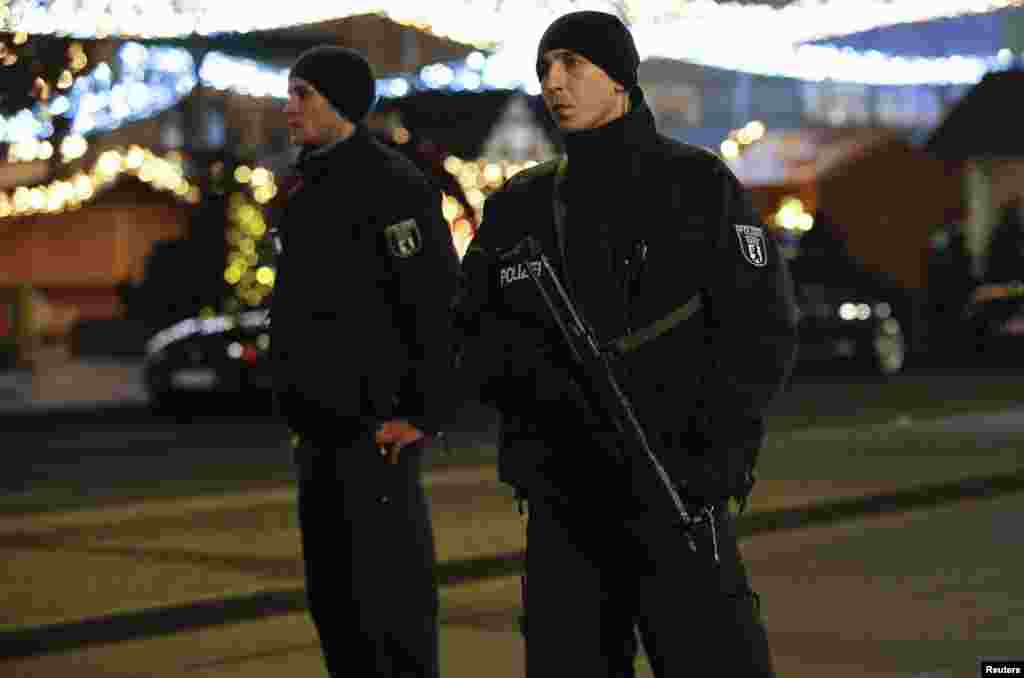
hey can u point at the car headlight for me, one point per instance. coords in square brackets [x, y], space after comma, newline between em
[849, 310]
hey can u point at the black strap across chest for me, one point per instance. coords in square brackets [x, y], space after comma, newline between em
[634, 340]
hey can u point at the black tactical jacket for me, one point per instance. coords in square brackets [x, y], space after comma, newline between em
[361, 314]
[665, 221]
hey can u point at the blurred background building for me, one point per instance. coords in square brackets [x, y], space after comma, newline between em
[143, 153]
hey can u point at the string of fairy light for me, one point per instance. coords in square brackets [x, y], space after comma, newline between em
[164, 173]
[250, 269]
[483, 23]
[140, 83]
[148, 80]
[791, 214]
[700, 31]
[143, 81]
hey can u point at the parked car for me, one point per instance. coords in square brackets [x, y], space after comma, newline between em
[977, 316]
[993, 323]
[845, 327]
[849, 317]
[220, 355]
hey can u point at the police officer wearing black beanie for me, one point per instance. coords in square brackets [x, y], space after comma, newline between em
[659, 247]
[361, 349]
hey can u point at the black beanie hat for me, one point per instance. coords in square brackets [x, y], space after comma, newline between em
[600, 37]
[343, 76]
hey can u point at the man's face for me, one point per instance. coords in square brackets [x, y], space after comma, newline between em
[577, 92]
[310, 116]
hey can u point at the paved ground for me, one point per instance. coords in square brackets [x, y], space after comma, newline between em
[59, 382]
[212, 586]
[925, 592]
[870, 563]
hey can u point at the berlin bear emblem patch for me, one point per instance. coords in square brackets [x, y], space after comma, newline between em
[404, 238]
[752, 244]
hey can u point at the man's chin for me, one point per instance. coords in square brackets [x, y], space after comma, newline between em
[569, 128]
[568, 124]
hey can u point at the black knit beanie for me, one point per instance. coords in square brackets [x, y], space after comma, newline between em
[343, 76]
[600, 37]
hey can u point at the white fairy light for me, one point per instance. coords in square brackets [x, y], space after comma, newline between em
[479, 22]
[148, 81]
[699, 31]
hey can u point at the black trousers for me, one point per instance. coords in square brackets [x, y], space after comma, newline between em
[592, 584]
[368, 550]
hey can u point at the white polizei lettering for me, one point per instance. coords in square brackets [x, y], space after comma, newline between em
[511, 274]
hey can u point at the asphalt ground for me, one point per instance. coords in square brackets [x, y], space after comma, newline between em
[925, 592]
[883, 536]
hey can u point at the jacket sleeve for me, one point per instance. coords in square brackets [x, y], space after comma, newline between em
[752, 319]
[482, 353]
[504, 362]
[425, 283]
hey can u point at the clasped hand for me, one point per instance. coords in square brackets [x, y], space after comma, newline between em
[393, 435]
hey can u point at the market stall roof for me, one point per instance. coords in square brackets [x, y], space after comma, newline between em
[981, 35]
[984, 122]
[462, 123]
[390, 46]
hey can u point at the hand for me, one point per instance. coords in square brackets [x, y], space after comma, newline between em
[391, 436]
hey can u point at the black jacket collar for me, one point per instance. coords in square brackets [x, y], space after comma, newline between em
[311, 165]
[602, 148]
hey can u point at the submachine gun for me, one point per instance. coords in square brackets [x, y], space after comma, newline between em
[595, 362]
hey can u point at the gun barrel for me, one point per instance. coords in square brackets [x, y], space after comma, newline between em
[614, 402]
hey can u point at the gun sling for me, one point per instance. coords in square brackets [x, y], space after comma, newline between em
[634, 340]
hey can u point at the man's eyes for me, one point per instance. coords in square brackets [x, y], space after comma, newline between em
[566, 61]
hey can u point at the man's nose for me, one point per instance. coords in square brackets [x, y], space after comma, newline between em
[555, 77]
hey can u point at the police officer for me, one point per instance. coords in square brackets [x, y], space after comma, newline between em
[361, 344]
[659, 246]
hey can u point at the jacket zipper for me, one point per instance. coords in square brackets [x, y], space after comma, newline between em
[633, 266]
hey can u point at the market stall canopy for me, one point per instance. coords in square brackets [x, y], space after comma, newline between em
[466, 124]
[391, 47]
[985, 122]
[979, 35]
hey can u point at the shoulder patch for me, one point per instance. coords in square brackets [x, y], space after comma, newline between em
[753, 246]
[404, 238]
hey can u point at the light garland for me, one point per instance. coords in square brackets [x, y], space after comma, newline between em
[477, 23]
[792, 216]
[147, 81]
[162, 173]
[151, 80]
[738, 139]
[256, 78]
[250, 269]
[700, 31]
[815, 63]
[478, 179]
